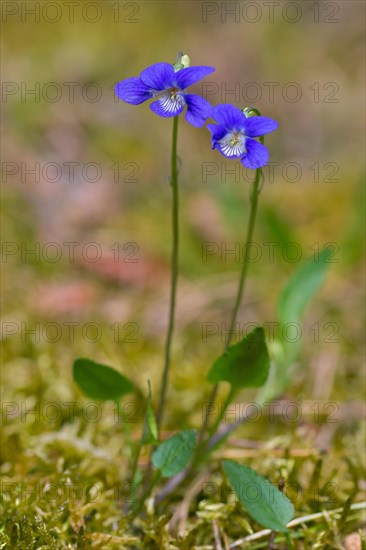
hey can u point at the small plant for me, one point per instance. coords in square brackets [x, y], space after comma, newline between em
[237, 134]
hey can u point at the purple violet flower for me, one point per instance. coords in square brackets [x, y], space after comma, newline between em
[168, 86]
[234, 133]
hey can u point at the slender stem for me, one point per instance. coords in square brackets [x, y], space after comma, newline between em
[244, 270]
[174, 277]
[202, 450]
[146, 494]
[218, 438]
[228, 400]
[140, 444]
[289, 541]
[136, 457]
[174, 274]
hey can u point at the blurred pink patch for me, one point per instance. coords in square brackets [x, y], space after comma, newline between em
[63, 297]
[144, 273]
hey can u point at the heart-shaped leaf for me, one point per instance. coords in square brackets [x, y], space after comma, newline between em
[173, 454]
[244, 364]
[263, 501]
[99, 381]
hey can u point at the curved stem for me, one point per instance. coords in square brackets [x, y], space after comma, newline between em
[136, 456]
[140, 504]
[205, 448]
[174, 274]
[244, 269]
[256, 188]
[221, 416]
[140, 444]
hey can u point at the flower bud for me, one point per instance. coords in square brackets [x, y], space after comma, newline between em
[182, 62]
[250, 111]
[186, 62]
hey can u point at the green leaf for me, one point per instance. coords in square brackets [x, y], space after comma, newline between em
[99, 381]
[292, 302]
[263, 501]
[150, 433]
[279, 373]
[244, 364]
[302, 286]
[173, 454]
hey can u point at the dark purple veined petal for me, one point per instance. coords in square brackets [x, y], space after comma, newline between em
[168, 105]
[229, 116]
[259, 125]
[257, 155]
[132, 90]
[198, 111]
[217, 132]
[158, 76]
[190, 75]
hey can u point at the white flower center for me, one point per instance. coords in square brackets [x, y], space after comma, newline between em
[171, 100]
[233, 144]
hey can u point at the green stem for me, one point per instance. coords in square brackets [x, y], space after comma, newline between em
[245, 265]
[289, 541]
[174, 274]
[244, 270]
[140, 444]
[136, 457]
[146, 494]
[228, 400]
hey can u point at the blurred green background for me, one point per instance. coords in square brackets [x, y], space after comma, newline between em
[299, 63]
